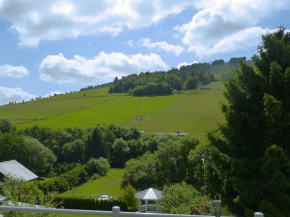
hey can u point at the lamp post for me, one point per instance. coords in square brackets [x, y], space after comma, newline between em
[204, 191]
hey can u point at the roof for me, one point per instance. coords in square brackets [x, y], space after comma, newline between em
[149, 194]
[174, 134]
[16, 170]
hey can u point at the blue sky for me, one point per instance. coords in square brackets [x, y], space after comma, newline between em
[54, 46]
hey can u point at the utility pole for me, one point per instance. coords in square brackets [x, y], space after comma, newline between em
[137, 111]
[204, 190]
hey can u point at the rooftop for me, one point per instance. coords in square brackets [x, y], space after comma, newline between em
[16, 170]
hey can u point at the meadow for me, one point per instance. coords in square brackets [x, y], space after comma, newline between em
[109, 185]
[194, 112]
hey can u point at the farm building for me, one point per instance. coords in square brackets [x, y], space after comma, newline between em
[16, 170]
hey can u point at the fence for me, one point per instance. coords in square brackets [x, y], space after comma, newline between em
[114, 213]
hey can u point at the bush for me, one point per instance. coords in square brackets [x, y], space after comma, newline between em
[99, 166]
[89, 204]
[66, 181]
[183, 199]
[128, 196]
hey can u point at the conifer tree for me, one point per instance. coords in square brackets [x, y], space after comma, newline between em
[250, 167]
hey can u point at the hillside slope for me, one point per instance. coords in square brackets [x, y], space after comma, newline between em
[191, 111]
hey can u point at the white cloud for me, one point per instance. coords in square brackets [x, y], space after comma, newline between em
[185, 64]
[51, 93]
[35, 21]
[218, 22]
[130, 43]
[100, 69]
[161, 46]
[13, 71]
[13, 95]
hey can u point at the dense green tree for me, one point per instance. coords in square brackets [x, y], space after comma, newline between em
[250, 161]
[74, 151]
[120, 153]
[183, 199]
[140, 172]
[6, 126]
[13, 147]
[42, 158]
[96, 144]
[98, 166]
[128, 196]
[191, 83]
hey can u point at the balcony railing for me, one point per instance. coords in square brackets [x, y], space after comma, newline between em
[114, 213]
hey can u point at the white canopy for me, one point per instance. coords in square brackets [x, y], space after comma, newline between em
[149, 194]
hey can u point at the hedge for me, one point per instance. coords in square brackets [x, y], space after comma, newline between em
[89, 204]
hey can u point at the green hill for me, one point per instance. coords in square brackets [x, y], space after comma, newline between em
[190, 111]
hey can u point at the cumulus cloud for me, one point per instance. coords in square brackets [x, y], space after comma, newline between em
[13, 71]
[100, 69]
[35, 21]
[185, 64]
[219, 22]
[13, 95]
[242, 40]
[161, 46]
[51, 93]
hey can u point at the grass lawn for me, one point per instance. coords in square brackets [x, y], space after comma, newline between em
[109, 185]
[196, 113]
[118, 110]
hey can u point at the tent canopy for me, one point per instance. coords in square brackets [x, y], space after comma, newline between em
[149, 194]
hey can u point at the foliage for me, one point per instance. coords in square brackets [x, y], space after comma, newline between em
[140, 172]
[42, 158]
[90, 204]
[191, 83]
[183, 199]
[27, 193]
[66, 181]
[74, 151]
[120, 153]
[250, 159]
[156, 169]
[99, 166]
[13, 147]
[162, 83]
[6, 126]
[128, 196]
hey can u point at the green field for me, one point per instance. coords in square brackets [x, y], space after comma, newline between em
[194, 112]
[109, 185]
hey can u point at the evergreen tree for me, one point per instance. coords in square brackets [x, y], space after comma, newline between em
[250, 167]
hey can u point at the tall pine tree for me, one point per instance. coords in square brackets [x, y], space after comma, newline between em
[250, 161]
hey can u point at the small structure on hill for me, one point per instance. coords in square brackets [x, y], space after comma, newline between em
[173, 134]
[150, 194]
[16, 170]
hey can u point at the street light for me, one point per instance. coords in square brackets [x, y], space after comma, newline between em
[204, 191]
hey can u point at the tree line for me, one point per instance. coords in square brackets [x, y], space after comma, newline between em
[162, 83]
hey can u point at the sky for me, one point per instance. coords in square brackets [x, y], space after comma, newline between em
[58, 46]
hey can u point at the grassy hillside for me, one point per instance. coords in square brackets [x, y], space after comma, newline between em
[196, 112]
[191, 111]
[109, 185]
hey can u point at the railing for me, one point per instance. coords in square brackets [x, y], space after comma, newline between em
[114, 213]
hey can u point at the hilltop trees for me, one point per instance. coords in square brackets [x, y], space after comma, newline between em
[163, 83]
[251, 156]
